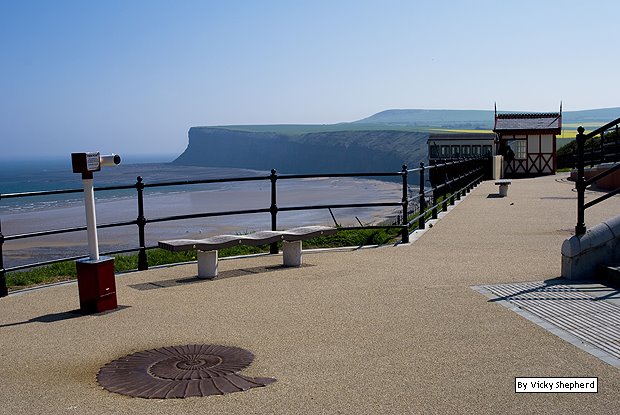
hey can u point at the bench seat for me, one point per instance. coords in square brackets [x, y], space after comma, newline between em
[503, 186]
[221, 241]
[207, 248]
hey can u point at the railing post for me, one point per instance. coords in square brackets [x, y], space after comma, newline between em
[617, 144]
[273, 209]
[432, 179]
[450, 177]
[444, 206]
[405, 202]
[435, 197]
[143, 263]
[594, 159]
[464, 175]
[580, 229]
[4, 291]
[602, 147]
[422, 220]
[470, 174]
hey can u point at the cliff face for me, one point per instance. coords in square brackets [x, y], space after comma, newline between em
[323, 152]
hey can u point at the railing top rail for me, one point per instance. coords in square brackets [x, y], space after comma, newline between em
[39, 193]
[448, 163]
[325, 175]
[205, 181]
[603, 174]
[62, 191]
[603, 128]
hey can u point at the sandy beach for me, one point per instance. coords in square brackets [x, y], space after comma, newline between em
[227, 197]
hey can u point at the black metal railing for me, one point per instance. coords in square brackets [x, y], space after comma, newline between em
[606, 153]
[602, 147]
[453, 178]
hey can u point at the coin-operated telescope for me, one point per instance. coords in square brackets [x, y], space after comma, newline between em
[96, 281]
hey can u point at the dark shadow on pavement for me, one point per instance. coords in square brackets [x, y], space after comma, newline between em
[584, 286]
[222, 275]
[65, 315]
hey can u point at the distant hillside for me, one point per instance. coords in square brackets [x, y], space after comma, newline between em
[603, 116]
[473, 119]
[321, 152]
[481, 119]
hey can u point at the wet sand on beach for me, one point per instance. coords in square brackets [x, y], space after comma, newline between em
[230, 197]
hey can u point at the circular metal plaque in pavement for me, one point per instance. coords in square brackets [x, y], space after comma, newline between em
[180, 371]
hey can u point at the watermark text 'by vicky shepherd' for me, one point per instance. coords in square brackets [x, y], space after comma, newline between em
[556, 385]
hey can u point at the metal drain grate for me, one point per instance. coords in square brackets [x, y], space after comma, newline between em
[180, 372]
[567, 308]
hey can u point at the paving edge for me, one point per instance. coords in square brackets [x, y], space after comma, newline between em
[553, 329]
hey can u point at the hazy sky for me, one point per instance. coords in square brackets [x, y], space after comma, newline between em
[132, 76]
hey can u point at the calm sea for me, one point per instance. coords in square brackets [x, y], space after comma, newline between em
[42, 175]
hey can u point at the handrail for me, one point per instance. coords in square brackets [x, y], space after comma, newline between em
[460, 173]
[581, 183]
[601, 198]
[599, 176]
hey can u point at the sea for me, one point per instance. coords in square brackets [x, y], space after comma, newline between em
[23, 215]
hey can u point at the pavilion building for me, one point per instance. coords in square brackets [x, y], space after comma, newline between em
[532, 138]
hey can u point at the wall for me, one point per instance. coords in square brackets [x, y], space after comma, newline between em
[582, 256]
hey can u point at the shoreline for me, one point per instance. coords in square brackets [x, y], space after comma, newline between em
[235, 196]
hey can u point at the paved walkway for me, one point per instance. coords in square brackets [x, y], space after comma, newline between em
[383, 330]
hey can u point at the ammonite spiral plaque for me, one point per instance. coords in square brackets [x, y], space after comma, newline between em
[180, 371]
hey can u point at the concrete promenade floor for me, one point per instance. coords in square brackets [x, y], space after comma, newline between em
[389, 330]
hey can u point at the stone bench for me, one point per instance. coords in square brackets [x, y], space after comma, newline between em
[207, 248]
[503, 186]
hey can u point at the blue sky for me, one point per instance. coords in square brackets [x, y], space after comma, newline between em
[132, 76]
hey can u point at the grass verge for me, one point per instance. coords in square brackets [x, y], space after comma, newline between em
[64, 271]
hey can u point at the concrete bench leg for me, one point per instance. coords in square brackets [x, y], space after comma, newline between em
[291, 253]
[503, 190]
[207, 264]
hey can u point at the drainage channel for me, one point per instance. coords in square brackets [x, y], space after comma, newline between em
[587, 321]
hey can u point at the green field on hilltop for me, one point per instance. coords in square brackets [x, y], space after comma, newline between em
[459, 130]
[298, 129]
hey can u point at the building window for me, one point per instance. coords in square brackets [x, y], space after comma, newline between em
[486, 151]
[434, 151]
[466, 151]
[456, 152]
[445, 152]
[475, 151]
[519, 147]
